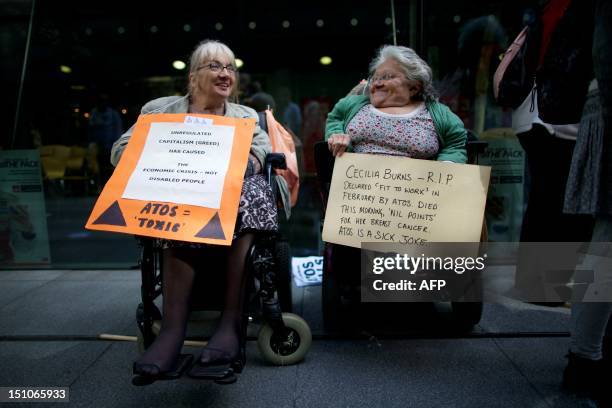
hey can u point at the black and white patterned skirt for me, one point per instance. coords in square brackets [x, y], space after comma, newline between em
[584, 193]
[257, 212]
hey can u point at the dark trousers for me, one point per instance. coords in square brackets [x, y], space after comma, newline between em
[548, 162]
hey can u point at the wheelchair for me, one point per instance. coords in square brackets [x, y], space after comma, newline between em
[283, 338]
[342, 264]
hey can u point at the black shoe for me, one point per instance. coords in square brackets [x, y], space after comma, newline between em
[218, 368]
[583, 376]
[145, 374]
[223, 366]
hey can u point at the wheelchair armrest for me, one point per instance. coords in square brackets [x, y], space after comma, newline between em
[476, 146]
[276, 161]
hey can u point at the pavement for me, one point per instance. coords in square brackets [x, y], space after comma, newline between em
[50, 321]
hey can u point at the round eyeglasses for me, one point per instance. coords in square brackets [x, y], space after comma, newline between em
[217, 67]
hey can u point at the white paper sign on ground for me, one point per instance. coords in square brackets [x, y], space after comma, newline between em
[182, 164]
[307, 271]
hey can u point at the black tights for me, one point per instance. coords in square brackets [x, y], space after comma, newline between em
[226, 339]
[179, 274]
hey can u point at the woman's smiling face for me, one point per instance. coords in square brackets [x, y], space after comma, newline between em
[389, 86]
[214, 78]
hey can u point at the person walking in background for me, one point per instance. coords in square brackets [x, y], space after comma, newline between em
[546, 124]
[103, 129]
[589, 191]
[289, 111]
[564, 126]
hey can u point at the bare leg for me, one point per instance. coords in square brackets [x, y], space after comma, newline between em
[226, 339]
[178, 282]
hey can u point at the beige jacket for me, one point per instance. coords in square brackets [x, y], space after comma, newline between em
[260, 146]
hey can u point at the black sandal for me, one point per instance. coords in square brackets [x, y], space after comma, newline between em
[221, 369]
[143, 378]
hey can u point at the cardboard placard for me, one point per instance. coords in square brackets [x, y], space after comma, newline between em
[398, 200]
[178, 179]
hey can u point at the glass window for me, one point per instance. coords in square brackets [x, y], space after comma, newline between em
[89, 72]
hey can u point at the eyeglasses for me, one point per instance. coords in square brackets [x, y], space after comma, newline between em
[217, 67]
[383, 77]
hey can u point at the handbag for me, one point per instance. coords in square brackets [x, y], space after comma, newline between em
[515, 75]
[282, 142]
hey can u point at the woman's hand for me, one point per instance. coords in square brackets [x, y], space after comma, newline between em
[338, 143]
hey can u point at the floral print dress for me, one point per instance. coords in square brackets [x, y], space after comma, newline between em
[411, 135]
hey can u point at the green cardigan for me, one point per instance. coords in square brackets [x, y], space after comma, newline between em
[450, 129]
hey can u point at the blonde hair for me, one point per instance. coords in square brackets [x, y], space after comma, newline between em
[208, 50]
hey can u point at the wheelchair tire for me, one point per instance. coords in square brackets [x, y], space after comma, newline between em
[287, 345]
[284, 285]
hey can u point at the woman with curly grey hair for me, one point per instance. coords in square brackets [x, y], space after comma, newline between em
[397, 113]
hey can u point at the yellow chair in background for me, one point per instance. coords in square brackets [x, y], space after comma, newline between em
[70, 163]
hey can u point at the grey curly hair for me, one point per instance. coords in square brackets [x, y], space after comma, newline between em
[415, 68]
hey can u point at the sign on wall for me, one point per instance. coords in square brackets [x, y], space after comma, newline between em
[23, 217]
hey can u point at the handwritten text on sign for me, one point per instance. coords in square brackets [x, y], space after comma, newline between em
[399, 200]
[182, 164]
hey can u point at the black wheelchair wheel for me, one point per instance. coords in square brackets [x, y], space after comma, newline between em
[284, 285]
[467, 314]
[331, 297]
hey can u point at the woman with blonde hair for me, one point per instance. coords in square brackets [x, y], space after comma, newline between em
[212, 81]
